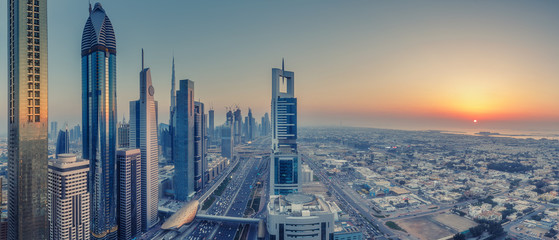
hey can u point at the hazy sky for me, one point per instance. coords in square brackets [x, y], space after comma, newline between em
[395, 64]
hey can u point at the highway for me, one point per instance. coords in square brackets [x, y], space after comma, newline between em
[373, 226]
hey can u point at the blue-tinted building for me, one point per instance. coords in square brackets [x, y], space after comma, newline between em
[183, 141]
[63, 142]
[200, 164]
[284, 169]
[99, 120]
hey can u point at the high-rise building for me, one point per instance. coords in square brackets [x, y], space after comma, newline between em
[143, 135]
[227, 141]
[172, 110]
[211, 128]
[265, 128]
[237, 126]
[123, 134]
[284, 168]
[53, 130]
[199, 145]
[129, 165]
[63, 142]
[183, 141]
[250, 125]
[99, 120]
[68, 198]
[27, 119]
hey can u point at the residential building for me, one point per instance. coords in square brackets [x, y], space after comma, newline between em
[129, 193]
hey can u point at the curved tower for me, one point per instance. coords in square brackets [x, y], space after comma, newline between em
[99, 119]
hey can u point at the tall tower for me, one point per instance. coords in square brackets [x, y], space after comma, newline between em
[143, 135]
[27, 119]
[123, 134]
[63, 142]
[183, 145]
[68, 198]
[284, 168]
[172, 110]
[199, 145]
[211, 127]
[129, 193]
[99, 120]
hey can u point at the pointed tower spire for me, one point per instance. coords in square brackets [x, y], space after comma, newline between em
[142, 59]
[90, 7]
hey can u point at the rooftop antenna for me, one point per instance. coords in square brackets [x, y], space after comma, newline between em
[142, 58]
[282, 70]
[89, 6]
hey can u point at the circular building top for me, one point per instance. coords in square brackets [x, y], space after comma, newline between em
[299, 198]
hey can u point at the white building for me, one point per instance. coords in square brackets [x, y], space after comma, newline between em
[298, 216]
[143, 135]
[68, 198]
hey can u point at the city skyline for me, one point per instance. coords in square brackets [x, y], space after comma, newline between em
[430, 66]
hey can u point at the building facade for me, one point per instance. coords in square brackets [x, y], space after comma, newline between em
[129, 165]
[63, 142]
[99, 120]
[183, 141]
[27, 119]
[200, 164]
[284, 168]
[68, 198]
[211, 127]
[143, 135]
[300, 216]
[123, 134]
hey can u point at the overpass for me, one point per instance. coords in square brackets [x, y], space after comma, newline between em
[215, 218]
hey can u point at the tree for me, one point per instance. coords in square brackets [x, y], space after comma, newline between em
[459, 236]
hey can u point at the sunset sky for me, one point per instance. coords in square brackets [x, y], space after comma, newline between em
[387, 64]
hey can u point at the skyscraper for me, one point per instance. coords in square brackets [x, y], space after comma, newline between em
[211, 128]
[250, 125]
[123, 134]
[183, 141]
[68, 198]
[27, 119]
[284, 168]
[99, 120]
[63, 142]
[265, 129]
[172, 110]
[53, 130]
[129, 193]
[199, 145]
[237, 126]
[143, 135]
[227, 140]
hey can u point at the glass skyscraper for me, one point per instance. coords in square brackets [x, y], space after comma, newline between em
[99, 120]
[63, 142]
[143, 135]
[284, 168]
[27, 119]
[183, 145]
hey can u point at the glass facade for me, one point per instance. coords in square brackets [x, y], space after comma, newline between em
[99, 120]
[27, 119]
[183, 147]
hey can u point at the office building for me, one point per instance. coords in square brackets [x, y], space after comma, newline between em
[165, 143]
[99, 120]
[123, 134]
[227, 141]
[53, 130]
[183, 141]
[211, 127]
[284, 168]
[63, 142]
[265, 128]
[68, 198]
[27, 119]
[143, 135]
[200, 165]
[172, 110]
[237, 126]
[129, 165]
[250, 122]
[302, 216]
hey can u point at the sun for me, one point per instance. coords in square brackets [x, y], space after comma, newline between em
[475, 121]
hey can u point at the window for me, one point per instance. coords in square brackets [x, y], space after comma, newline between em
[30, 102]
[37, 102]
[37, 85]
[30, 119]
[37, 118]
[37, 94]
[37, 110]
[29, 110]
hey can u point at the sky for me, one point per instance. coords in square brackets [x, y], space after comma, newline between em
[385, 64]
